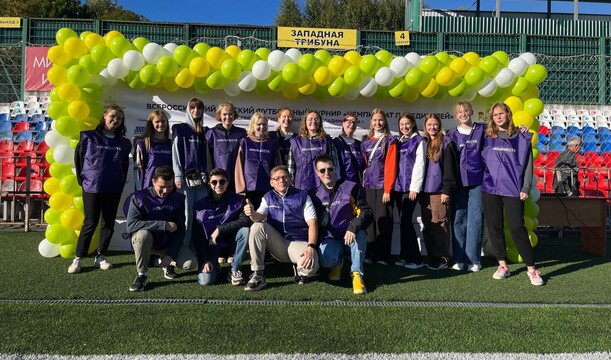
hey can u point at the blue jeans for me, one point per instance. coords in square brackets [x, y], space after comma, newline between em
[241, 240]
[332, 251]
[468, 225]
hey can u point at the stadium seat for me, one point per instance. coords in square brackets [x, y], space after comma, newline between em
[45, 99]
[545, 112]
[551, 158]
[591, 160]
[606, 113]
[17, 105]
[559, 120]
[35, 111]
[39, 137]
[6, 135]
[572, 131]
[605, 159]
[40, 127]
[22, 158]
[589, 147]
[587, 130]
[5, 126]
[24, 135]
[21, 175]
[573, 120]
[6, 145]
[19, 118]
[30, 98]
[588, 120]
[41, 148]
[540, 161]
[5, 117]
[605, 145]
[18, 111]
[35, 119]
[582, 112]
[8, 171]
[543, 139]
[569, 112]
[24, 146]
[8, 186]
[555, 112]
[601, 121]
[21, 126]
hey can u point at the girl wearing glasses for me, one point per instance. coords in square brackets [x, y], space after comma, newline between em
[154, 148]
[349, 153]
[257, 155]
[311, 142]
[380, 152]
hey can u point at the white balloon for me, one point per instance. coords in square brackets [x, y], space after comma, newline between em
[165, 52]
[384, 76]
[276, 59]
[504, 78]
[247, 81]
[413, 58]
[231, 88]
[352, 93]
[170, 47]
[107, 80]
[368, 87]
[530, 58]
[151, 52]
[469, 95]
[48, 249]
[54, 139]
[400, 66]
[488, 88]
[133, 60]
[518, 66]
[294, 54]
[64, 154]
[117, 69]
[261, 70]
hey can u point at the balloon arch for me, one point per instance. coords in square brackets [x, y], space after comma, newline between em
[85, 64]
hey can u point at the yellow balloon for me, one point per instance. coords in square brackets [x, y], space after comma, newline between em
[431, 89]
[78, 110]
[72, 218]
[216, 56]
[445, 76]
[353, 57]
[58, 55]
[472, 58]
[460, 66]
[57, 75]
[60, 201]
[514, 103]
[75, 47]
[185, 79]
[337, 65]
[323, 76]
[111, 35]
[233, 51]
[522, 118]
[93, 39]
[199, 67]
[68, 92]
[51, 185]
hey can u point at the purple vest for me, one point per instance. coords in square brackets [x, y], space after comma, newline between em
[191, 147]
[304, 153]
[169, 208]
[286, 213]
[102, 162]
[340, 209]
[259, 158]
[209, 214]
[225, 147]
[433, 179]
[407, 159]
[350, 158]
[470, 148]
[373, 176]
[505, 161]
[160, 153]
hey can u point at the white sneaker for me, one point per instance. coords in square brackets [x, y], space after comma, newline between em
[413, 266]
[382, 262]
[102, 263]
[400, 262]
[75, 267]
[502, 272]
[535, 278]
[458, 266]
[474, 267]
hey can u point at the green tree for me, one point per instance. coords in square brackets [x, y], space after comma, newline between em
[289, 14]
[42, 8]
[110, 10]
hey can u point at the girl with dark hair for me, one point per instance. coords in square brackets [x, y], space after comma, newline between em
[380, 152]
[349, 153]
[153, 149]
[101, 159]
[409, 183]
[507, 182]
[439, 182]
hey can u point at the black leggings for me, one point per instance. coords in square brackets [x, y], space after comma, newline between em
[493, 216]
[410, 251]
[95, 204]
[379, 233]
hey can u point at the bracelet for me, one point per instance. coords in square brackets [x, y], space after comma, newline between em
[313, 246]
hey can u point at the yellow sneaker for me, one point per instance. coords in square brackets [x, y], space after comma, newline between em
[336, 273]
[358, 285]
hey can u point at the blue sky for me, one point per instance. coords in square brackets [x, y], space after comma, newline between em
[263, 12]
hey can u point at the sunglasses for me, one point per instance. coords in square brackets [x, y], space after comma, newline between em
[221, 182]
[324, 170]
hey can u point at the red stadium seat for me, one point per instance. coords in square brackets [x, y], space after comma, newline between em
[41, 148]
[21, 126]
[24, 146]
[8, 172]
[6, 145]
[22, 173]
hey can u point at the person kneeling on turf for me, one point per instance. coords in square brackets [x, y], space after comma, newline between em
[156, 220]
[289, 232]
[343, 218]
[220, 228]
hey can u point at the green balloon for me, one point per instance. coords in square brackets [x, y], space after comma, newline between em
[338, 87]
[167, 66]
[216, 80]
[69, 185]
[201, 49]
[149, 75]
[474, 76]
[519, 88]
[247, 58]
[140, 42]
[369, 64]
[57, 109]
[66, 126]
[231, 69]
[183, 55]
[52, 216]
[323, 56]
[414, 77]
[385, 57]
[353, 76]
[536, 73]
[263, 53]
[291, 73]
[429, 65]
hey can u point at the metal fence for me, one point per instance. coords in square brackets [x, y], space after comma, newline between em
[579, 68]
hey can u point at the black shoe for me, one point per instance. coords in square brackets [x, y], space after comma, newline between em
[298, 279]
[154, 261]
[256, 282]
[139, 283]
[169, 273]
[438, 264]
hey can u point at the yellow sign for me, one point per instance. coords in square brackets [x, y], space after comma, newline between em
[316, 38]
[10, 22]
[402, 38]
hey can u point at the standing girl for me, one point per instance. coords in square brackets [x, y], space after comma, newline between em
[154, 148]
[439, 182]
[349, 153]
[467, 201]
[311, 142]
[190, 155]
[507, 181]
[409, 183]
[224, 139]
[284, 132]
[257, 155]
[101, 159]
[380, 151]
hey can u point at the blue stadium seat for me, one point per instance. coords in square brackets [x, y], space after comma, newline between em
[4, 117]
[605, 146]
[5, 126]
[589, 147]
[24, 135]
[572, 131]
[543, 139]
[19, 118]
[555, 146]
[40, 127]
[603, 133]
[34, 119]
[588, 130]
[39, 137]
[6, 135]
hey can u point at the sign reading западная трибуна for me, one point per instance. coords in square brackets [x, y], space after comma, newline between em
[316, 38]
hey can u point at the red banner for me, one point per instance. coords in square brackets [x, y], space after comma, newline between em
[36, 66]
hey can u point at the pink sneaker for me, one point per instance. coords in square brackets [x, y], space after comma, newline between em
[535, 278]
[501, 273]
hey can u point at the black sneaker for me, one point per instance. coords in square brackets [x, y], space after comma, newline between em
[154, 261]
[169, 273]
[437, 264]
[139, 283]
[256, 282]
[298, 279]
